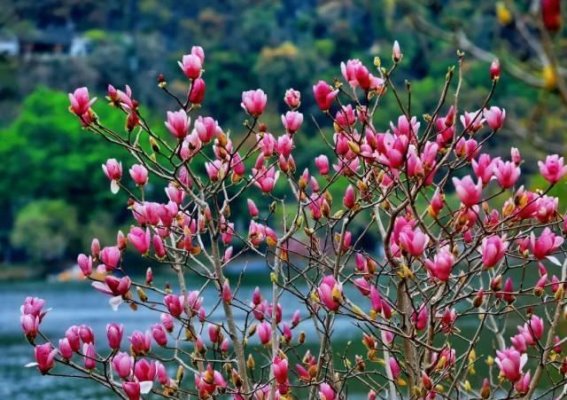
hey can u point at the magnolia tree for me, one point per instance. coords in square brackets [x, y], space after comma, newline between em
[484, 265]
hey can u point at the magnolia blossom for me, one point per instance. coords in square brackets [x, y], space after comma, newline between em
[330, 293]
[468, 192]
[254, 102]
[292, 121]
[545, 244]
[493, 249]
[511, 362]
[324, 95]
[192, 64]
[292, 98]
[553, 169]
[494, 117]
[442, 264]
[80, 101]
[178, 123]
[44, 357]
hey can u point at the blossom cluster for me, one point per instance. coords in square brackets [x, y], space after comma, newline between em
[464, 240]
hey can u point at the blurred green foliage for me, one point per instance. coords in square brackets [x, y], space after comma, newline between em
[45, 229]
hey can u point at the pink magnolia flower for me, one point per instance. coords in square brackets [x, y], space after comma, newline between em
[545, 244]
[85, 264]
[197, 93]
[414, 241]
[396, 52]
[215, 335]
[436, 203]
[207, 128]
[161, 374]
[252, 209]
[110, 257]
[113, 286]
[208, 381]
[349, 198]
[95, 247]
[122, 364]
[508, 292]
[159, 247]
[345, 117]
[139, 174]
[391, 149]
[442, 264]
[284, 145]
[408, 127]
[268, 144]
[167, 322]
[523, 384]
[73, 336]
[216, 170]
[173, 304]
[265, 179]
[159, 334]
[44, 357]
[65, 349]
[296, 318]
[326, 392]
[535, 327]
[467, 148]
[114, 334]
[175, 193]
[330, 292]
[86, 334]
[292, 121]
[264, 331]
[507, 173]
[468, 192]
[178, 123]
[494, 117]
[322, 164]
[89, 355]
[448, 319]
[141, 342]
[132, 389]
[280, 369]
[324, 95]
[484, 168]
[552, 169]
[112, 169]
[394, 367]
[199, 52]
[30, 325]
[254, 102]
[194, 301]
[191, 65]
[350, 72]
[226, 292]
[145, 370]
[140, 239]
[80, 101]
[421, 317]
[494, 69]
[547, 208]
[493, 249]
[292, 98]
[516, 156]
[445, 359]
[511, 362]
[472, 121]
